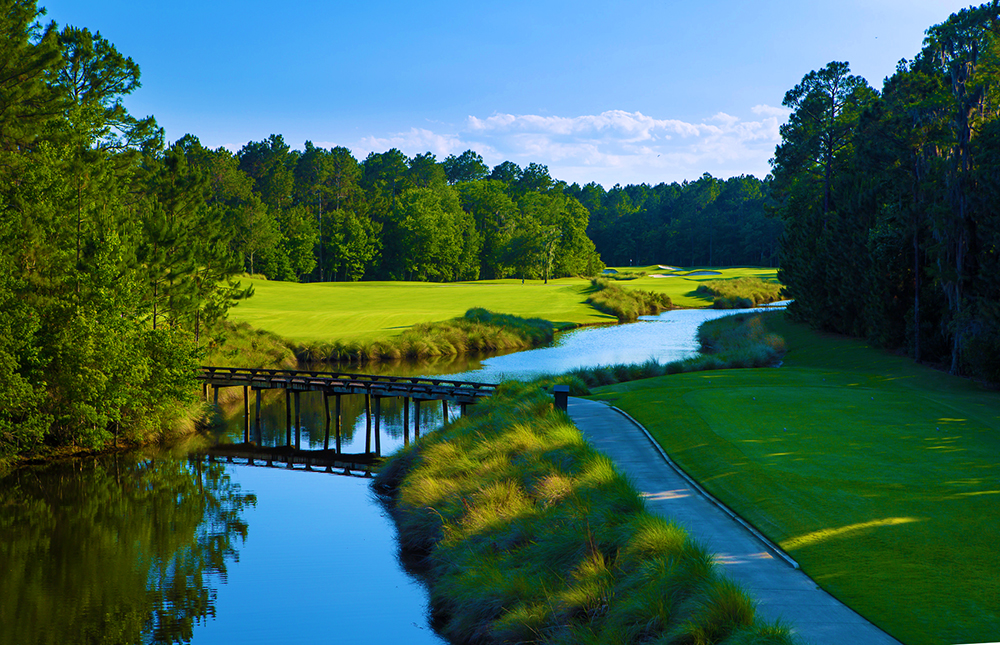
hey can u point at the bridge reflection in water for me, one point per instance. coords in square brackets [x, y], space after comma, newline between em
[330, 385]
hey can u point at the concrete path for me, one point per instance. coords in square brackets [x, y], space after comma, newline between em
[784, 592]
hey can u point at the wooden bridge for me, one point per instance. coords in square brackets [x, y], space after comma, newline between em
[331, 385]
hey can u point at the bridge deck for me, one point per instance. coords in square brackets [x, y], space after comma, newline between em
[342, 383]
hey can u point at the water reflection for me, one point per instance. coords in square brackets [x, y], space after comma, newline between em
[122, 549]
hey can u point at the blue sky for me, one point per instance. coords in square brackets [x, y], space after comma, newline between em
[612, 92]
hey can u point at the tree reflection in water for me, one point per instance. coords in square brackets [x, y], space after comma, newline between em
[120, 549]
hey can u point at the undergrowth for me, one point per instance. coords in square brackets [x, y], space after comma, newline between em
[740, 293]
[526, 534]
[478, 331]
[626, 304]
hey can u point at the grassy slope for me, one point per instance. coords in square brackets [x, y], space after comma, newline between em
[879, 476]
[365, 311]
[369, 310]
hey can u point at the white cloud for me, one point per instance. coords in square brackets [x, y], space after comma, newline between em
[612, 147]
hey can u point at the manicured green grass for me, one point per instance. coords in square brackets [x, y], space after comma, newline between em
[365, 311]
[681, 285]
[526, 534]
[880, 477]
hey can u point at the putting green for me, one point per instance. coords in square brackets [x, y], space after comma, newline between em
[880, 477]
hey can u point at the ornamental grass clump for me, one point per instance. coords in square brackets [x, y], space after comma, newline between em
[525, 534]
[626, 304]
[740, 293]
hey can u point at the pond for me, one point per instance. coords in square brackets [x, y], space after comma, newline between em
[151, 547]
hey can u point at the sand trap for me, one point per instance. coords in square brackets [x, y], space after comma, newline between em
[660, 275]
[666, 268]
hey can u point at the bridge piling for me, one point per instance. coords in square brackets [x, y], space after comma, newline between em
[378, 426]
[246, 415]
[406, 420]
[326, 434]
[368, 421]
[298, 421]
[288, 418]
[337, 413]
[416, 418]
[257, 429]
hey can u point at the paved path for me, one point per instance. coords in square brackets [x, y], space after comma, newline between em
[815, 616]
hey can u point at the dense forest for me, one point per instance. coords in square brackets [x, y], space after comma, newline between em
[890, 199]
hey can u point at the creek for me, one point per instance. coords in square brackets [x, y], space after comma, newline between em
[152, 547]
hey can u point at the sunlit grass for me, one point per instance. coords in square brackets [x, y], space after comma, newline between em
[874, 473]
[367, 311]
[681, 286]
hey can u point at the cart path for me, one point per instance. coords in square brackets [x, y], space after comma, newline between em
[783, 591]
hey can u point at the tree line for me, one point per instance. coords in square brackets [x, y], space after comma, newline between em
[889, 199]
[120, 254]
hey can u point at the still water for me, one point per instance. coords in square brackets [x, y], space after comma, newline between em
[150, 547]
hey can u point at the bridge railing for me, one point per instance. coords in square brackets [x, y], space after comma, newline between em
[214, 374]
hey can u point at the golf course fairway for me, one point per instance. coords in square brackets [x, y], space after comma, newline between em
[879, 476]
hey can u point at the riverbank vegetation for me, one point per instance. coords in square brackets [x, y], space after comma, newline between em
[740, 293]
[477, 331]
[525, 533]
[737, 341]
[625, 304]
[889, 199]
[859, 463]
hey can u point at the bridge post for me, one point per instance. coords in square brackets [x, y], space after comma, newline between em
[257, 430]
[288, 418]
[298, 421]
[337, 412]
[216, 395]
[326, 407]
[406, 420]
[463, 408]
[246, 415]
[368, 421]
[416, 418]
[444, 410]
[378, 426]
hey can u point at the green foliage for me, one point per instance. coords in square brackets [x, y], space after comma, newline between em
[626, 304]
[525, 533]
[889, 199]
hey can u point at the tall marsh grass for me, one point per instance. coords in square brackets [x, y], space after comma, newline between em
[626, 304]
[525, 534]
[478, 331]
[740, 293]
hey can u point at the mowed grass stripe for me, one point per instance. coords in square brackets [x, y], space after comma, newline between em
[881, 477]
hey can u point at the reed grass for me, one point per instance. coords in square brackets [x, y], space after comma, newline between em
[525, 534]
[740, 293]
[625, 304]
[478, 330]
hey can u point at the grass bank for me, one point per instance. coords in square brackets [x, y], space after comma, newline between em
[524, 533]
[478, 330]
[681, 284]
[625, 304]
[874, 473]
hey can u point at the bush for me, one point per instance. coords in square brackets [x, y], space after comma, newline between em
[626, 304]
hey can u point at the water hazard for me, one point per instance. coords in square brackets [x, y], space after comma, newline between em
[151, 547]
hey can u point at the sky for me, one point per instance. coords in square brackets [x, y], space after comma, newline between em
[611, 92]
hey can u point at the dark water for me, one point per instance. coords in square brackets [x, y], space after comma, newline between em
[150, 547]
